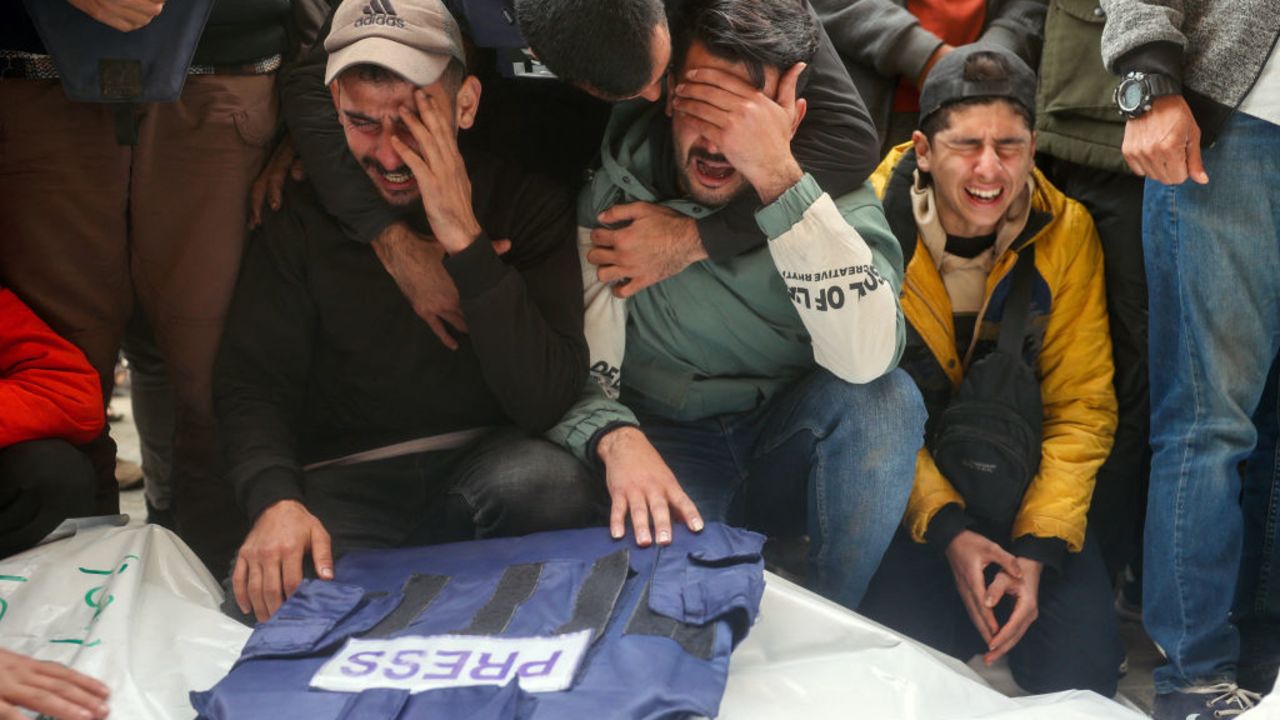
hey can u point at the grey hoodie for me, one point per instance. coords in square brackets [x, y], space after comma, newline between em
[1216, 48]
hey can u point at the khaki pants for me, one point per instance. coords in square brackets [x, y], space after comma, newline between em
[87, 225]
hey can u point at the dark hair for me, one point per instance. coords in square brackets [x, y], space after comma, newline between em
[602, 44]
[758, 33]
[978, 67]
[453, 74]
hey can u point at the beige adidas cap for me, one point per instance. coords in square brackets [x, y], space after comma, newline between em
[415, 39]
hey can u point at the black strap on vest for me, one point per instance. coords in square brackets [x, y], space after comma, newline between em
[1017, 306]
[516, 586]
[418, 592]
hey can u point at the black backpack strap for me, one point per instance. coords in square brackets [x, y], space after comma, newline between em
[1017, 305]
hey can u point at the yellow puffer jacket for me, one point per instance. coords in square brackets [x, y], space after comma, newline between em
[1070, 339]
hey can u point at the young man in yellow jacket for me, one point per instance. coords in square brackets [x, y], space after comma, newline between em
[966, 202]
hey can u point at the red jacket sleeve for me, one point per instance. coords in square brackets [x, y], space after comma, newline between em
[47, 387]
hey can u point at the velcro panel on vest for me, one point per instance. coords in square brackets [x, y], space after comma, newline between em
[516, 586]
[417, 593]
[376, 705]
[598, 595]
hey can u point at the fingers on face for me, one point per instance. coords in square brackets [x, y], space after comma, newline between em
[728, 82]
[705, 112]
[696, 92]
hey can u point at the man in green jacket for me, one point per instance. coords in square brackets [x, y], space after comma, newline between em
[762, 389]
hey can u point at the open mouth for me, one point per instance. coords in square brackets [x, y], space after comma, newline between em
[712, 173]
[397, 177]
[984, 196]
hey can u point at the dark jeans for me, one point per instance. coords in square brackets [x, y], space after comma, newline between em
[1120, 497]
[42, 483]
[506, 483]
[151, 395]
[1073, 644]
[824, 457]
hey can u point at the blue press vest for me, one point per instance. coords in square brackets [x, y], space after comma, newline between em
[663, 623]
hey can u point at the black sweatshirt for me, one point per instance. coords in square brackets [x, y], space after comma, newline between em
[323, 356]
[836, 143]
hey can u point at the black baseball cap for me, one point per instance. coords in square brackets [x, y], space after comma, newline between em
[946, 83]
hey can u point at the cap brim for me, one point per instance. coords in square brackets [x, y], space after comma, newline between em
[418, 67]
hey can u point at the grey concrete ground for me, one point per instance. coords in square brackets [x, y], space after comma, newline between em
[1135, 688]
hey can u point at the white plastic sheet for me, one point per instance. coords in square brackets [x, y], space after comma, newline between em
[133, 607]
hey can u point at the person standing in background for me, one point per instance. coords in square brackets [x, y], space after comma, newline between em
[104, 201]
[1201, 91]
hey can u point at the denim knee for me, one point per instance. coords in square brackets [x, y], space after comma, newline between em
[890, 403]
[532, 486]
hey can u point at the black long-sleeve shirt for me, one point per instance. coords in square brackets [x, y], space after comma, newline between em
[323, 356]
[836, 143]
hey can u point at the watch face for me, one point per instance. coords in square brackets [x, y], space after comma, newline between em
[1131, 95]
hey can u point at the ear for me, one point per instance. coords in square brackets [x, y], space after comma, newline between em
[922, 150]
[1034, 135]
[802, 106]
[467, 102]
[333, 92]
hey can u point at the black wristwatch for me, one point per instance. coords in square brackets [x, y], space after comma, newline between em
[1135, 93]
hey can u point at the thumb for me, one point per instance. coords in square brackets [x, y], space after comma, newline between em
[1007, 562]
[787, 86]
[322, 553]
[1195, 163]
[501, 246]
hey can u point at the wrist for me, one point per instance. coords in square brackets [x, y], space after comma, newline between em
[455, 239]
[615, 441]
[779, 179]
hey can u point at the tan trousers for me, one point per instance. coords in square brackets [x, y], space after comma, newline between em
[87, 225]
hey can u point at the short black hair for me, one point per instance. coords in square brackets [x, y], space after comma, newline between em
[978, 67]
[454, 73]
[757, 33]
[602, 44]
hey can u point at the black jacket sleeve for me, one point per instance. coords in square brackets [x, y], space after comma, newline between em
[261, 371]
[336, 176]
[836, 144]
[525, 317]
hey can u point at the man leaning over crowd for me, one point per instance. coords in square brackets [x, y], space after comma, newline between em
[324, 361]
[759, 390]
[1008, 568]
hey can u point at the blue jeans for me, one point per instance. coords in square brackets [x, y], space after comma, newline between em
[823, 457]
[1213, 269]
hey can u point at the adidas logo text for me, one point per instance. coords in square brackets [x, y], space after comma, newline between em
[380, 12]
